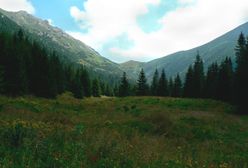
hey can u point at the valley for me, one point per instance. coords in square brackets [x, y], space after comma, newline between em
[121, 132]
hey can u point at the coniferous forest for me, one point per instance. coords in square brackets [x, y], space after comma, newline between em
[28, 69]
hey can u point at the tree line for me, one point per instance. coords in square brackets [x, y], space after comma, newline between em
[28, 69]
[223, 81]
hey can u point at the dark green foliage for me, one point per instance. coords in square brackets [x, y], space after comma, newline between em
[142, 86]
[241, 77]
[225, 80]
[177, 88]
[170, 86]
[163, 85]
[194, 81]
[189, 85]
[26, 68]
[211, 85]
[1, 79]
[198, 77]
[154, 85]
[124, 86]
[95, 88]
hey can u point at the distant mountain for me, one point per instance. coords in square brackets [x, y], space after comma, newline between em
[179, 62]
[54, 39]
[132, 68]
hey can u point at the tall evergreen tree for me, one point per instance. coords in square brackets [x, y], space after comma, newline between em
[142, 86]
[154, 85]
[198, 77]
[95, 88]
[124, 86]
[170, 86]
[85, 81]
[177, 89]
[212, 79]
[1, 80]
[241, 77]
[189, 83]
[163, 85]
[225, 83]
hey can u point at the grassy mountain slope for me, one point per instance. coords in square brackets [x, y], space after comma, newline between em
[129, 132]
[178, 62]
[54, 39]
[132, 68]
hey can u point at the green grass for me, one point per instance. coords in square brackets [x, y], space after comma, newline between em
[147, 132]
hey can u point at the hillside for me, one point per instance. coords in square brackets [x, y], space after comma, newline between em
[113, 132]
[132, 68]
[54, 39]
[213, 51]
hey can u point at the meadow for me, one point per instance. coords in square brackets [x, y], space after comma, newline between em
[145, 132]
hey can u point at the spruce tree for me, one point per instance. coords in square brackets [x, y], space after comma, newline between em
[241, 77]
[189, 83]
[198, 77]
[225, 83]
[142, 87]
[154, 85]
[95, 88]
[1, 79]
[124, 86]
[85, 81]
[177, 89]
[212, 81]
[170, 86]
[163, 85]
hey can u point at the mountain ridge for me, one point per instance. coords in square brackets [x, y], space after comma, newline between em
[55, 39]
[213, 51]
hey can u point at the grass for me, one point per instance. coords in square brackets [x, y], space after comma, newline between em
[147, 132]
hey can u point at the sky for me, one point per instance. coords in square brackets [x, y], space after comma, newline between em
[140, 30]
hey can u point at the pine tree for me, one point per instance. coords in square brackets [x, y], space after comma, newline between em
[225, 83]
[212, 79]
[170, 86]
[124, 86]
[163, 85]
[142, 87]
[154, 85]
[1, 79]
[85, 81]
[198, 77]
[95, 88]
[177, 89]
[241, 77]
[189, 83]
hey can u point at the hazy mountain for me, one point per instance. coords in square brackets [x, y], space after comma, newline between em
[54, 39]
[215, 50]
[132, 68]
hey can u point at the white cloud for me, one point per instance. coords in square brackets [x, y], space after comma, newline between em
[107, 19]
[17, 5]
[183, 28]
[50, 21]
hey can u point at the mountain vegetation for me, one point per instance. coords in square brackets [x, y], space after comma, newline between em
[121, 132]
[55, 40]
[214, 51]
[27, 69]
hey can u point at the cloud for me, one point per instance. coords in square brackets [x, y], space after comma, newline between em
[50, 21]
[183, 28]
[17, 5]
[106, 19]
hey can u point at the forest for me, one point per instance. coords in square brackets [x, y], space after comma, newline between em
[28, 69]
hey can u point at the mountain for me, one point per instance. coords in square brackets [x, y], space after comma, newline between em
[54, 39]
[179, 62]
[132, 68]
